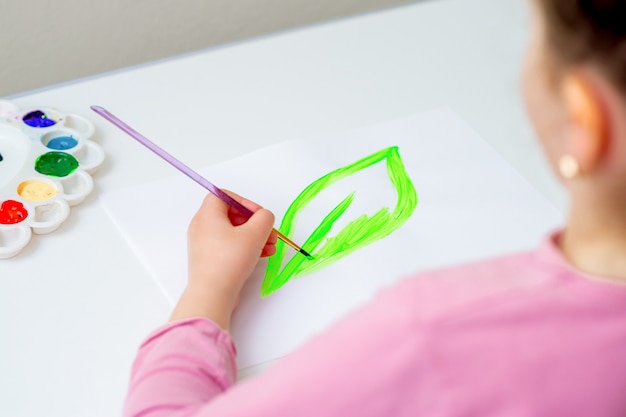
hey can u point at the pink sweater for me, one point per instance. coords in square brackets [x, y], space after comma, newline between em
[522, 335]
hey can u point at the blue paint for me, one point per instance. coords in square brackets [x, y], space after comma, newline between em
[38, 118]
[62, 143]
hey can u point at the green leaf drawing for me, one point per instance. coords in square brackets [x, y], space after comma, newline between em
[358, 233]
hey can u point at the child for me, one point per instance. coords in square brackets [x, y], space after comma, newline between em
[541, 333]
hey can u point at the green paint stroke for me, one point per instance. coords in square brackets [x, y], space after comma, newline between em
[358, 233]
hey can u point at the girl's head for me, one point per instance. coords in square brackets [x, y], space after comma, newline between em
[588, 32]
[575, 91]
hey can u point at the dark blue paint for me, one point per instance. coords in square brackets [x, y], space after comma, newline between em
[38, 118]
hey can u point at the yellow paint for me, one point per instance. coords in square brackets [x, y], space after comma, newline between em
[33, 190]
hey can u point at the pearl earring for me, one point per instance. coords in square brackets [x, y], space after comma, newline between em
[569, 167]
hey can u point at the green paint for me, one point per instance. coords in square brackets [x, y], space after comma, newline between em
[358, 233]
[56, 164]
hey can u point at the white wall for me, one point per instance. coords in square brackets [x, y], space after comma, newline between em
[46, 42]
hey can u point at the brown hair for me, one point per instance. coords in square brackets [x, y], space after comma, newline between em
[588, 31]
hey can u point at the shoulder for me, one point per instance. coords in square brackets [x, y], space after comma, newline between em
[429, 295]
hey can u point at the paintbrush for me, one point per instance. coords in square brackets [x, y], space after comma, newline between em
[189, 172]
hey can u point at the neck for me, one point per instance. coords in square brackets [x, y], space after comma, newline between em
[594, 240]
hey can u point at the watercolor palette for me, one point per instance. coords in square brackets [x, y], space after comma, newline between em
[46, 162]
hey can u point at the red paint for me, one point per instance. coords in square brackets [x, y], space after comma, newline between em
[12, 212]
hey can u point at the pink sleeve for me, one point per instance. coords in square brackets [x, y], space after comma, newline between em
[180, 367]
[365, 365]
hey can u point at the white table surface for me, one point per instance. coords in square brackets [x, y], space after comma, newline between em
[75, 304]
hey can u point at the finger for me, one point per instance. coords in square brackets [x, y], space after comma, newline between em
[249, 204]
[268, 250]
[236, 218]
[259, 226]
[270, 245]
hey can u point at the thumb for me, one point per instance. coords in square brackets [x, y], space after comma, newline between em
[259, 226]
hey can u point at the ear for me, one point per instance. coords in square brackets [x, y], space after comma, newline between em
[587, 121]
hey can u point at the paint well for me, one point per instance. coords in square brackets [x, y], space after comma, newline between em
[56, 164]
[12, 212]
[37, 118]
[47, 213]
[62, 143]
[34, 190]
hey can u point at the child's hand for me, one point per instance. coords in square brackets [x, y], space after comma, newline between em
[223, 249]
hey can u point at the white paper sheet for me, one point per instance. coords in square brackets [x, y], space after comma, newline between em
[472, 205]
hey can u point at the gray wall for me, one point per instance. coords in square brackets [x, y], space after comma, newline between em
[47, 42]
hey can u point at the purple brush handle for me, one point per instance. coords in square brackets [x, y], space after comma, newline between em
[173, 161]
